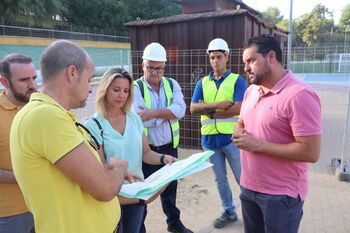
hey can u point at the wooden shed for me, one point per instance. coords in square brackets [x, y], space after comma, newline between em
[186, 37]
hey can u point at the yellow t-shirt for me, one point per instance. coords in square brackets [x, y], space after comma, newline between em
[42, 132]
[11, 199]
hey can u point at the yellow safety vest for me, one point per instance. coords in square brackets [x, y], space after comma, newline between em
[168, 88]
[212, 94]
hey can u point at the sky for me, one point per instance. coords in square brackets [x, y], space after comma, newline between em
[300, 7]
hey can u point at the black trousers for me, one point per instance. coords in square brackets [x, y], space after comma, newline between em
[168, 197]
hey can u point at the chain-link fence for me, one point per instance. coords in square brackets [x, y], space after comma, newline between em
[326, 59]
[188, 66]
[7, 30]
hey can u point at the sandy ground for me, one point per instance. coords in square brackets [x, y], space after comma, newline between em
[199, 202]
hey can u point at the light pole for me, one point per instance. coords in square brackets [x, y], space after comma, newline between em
[346, 28]
[290, 29]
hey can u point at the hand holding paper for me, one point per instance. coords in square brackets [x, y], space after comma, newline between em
[155, 182]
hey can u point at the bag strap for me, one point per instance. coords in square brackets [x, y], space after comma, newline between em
[171, 84]
[140, 86]
[99, 126]
[101, 132]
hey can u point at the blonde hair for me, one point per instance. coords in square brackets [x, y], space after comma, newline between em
[105, 82]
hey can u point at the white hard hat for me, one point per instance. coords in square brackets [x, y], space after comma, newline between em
[154, 52]
[218, 44]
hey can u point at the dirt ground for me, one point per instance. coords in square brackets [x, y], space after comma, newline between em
[199, 202]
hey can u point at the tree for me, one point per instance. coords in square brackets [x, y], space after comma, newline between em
[150, 9]
[320, 20]
[30, 10]
[283, 24]
[112, 14]
[345, 17]
[273, 15]
[109, 14]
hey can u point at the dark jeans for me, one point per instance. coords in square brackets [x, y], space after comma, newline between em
[131, 218]
[168, 197]
[265, 213]
[22, 223]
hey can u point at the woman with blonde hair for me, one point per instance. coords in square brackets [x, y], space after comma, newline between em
[119, 131]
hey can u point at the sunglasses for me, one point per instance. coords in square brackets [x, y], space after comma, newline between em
[98, 146]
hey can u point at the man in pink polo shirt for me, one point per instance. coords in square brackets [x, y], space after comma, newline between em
[279, 133]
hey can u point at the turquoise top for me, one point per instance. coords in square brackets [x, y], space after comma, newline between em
[127, 146]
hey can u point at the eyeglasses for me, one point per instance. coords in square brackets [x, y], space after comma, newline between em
[155, 69]
[98, 146]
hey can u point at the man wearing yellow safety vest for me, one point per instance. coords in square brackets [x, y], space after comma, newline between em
[217, 98]
[160, 104]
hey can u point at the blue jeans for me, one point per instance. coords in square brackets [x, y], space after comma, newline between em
[21, 223]
[131, 218]
[231, 153]
[266, 213]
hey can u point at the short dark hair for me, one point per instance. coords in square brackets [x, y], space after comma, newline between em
[10, 59]
[59, 55]
[265, 43]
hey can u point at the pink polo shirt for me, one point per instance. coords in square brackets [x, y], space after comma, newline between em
[289, 109]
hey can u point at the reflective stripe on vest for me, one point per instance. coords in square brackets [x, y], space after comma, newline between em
[211, 94]
[174, 124]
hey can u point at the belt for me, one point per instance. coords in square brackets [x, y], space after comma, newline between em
[162, 147]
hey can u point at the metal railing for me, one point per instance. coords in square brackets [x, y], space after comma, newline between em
[7, 30]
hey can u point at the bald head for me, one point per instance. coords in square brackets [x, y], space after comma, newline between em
[59, 55]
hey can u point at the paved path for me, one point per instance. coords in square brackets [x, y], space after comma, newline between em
[326, 209]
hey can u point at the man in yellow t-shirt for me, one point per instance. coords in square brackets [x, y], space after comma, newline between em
[64, 184]
[17, 75]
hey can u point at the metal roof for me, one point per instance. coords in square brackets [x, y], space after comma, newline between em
[201, 15]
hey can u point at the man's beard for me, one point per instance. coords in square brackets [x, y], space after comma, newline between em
[259, 78]
[23, 98]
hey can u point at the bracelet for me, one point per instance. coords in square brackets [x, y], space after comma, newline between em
[141, 202]
[162, 159]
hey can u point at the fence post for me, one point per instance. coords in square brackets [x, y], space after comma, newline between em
[30, 31]
[330, 61]
[87, 29]
[313, 64]
[304, 60]
[343, 174]
[71, 31]
[3, 25]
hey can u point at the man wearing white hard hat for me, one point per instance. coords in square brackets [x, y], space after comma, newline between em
[160, 104]
[217, 98]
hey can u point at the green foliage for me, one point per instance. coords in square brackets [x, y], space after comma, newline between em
[109, 15]
[31, 8]
[273, 15]
[283, 24]
[311, 25]
[345, 18]
[150, 9]
[112, 14]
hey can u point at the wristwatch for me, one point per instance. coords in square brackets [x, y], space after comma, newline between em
[162, 159]
[141, 202]
[211, 114]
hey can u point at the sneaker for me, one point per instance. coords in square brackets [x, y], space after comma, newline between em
[179, 228]
[225, 219]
